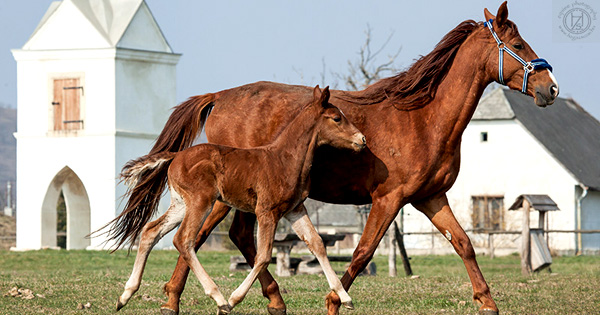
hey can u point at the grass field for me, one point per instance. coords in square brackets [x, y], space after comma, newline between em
[61, 280]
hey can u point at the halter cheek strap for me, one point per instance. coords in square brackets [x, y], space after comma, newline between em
[528, 67]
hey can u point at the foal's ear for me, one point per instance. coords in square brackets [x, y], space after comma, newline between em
[321, 96]
[500, 18]
[325, 96]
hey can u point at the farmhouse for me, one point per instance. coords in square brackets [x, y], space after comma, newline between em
[95, 82]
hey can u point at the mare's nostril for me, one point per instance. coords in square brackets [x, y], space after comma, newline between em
[554, 90]
[364, 140]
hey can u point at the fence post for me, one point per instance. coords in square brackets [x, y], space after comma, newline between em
[392, 252]
[526, 242]
[491, 244]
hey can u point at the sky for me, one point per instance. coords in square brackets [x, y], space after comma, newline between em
[231, 43]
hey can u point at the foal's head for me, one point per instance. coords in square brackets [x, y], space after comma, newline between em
[539, 81]
[333, 128]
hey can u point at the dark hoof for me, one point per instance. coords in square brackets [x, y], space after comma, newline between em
[276, 311]
[119, 304]
[348, 305]
[224, 309]
[167, 311]
[488, 312]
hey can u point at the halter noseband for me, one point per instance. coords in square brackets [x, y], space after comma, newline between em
[528, 67]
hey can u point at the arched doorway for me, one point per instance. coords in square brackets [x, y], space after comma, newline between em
[77, 211]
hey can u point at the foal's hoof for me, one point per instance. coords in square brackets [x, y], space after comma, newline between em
[488, 312]
[119, 304]
[276, 311]
[224, 309]
[167, 311]
[348, 305]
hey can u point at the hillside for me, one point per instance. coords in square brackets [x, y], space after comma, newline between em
[8, 151]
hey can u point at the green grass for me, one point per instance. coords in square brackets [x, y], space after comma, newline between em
[66, 278]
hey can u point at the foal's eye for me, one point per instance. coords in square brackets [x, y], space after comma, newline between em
[518, 46]
[336, 118]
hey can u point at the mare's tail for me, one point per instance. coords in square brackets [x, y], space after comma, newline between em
[147, 176]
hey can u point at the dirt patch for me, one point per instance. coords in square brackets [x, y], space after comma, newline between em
[8, 232]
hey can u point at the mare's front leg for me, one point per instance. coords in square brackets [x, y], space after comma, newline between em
[382, 214]
[184, 241]
[265, 234]
[151, 234]
[440, 214]
[306, 231]
[176, 284]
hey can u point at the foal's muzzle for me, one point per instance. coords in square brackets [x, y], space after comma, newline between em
[359, 141]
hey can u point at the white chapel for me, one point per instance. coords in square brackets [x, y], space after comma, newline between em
[95, 83]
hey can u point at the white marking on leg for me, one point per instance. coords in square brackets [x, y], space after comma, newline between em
[448, 235]
[149, 237]
[302, 225]
[210, 287]
[264, 245]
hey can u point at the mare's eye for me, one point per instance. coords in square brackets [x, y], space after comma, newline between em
[336, 118]
[518, 46]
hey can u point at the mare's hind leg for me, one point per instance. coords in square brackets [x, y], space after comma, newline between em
[151, 234]
[307, 232]
[440, 214]
[265, 233]
[176, 284]
[184, 242]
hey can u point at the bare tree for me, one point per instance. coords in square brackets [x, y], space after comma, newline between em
[366, 70]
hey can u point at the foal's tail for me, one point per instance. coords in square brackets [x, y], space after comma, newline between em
[146, 178]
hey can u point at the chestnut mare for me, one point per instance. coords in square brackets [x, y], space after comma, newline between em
[413, 122]
[268, 181]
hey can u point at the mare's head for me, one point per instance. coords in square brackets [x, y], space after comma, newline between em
[333, 128]
[512, 62]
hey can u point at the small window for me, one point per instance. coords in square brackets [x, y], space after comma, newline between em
[488, 212]
[484, 136]
[66, 104]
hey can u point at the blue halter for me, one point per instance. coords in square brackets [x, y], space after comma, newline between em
[534, 64]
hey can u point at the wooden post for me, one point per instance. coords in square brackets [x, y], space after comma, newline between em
[526, 241]
[491, 245]
[403, 255]
[392, 253]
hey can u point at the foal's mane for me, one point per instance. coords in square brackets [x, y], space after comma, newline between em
[416, 87]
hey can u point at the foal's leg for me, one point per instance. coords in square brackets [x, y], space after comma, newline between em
[151, 234]
[184, 242]
[382, 214]
[242, 235]
[307, 232]
[176, 284]
[265, 233]
[440, 214]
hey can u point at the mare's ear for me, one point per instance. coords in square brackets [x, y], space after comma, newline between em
[325, 96]
[500, 18]
[502, 15]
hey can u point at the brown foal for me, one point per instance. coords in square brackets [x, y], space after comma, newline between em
[270, 182]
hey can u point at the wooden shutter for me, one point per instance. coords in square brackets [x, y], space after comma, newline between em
[66, 104]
